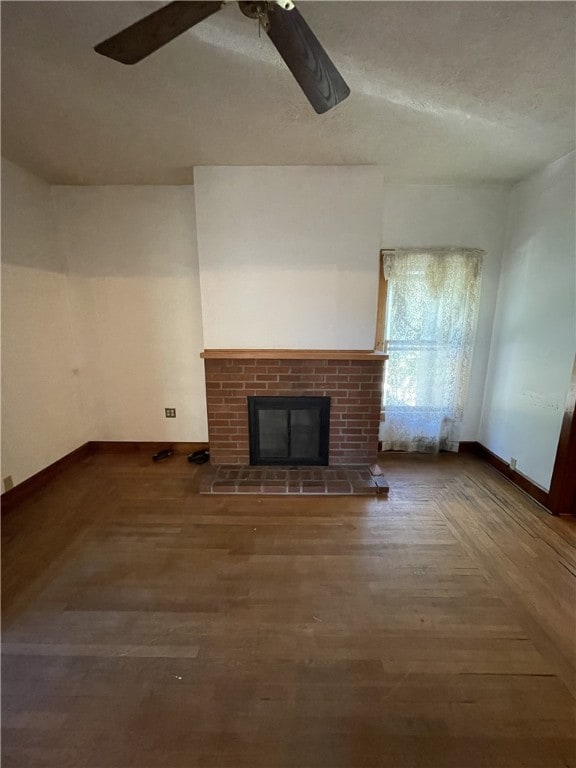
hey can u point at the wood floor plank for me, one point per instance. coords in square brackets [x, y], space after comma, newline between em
[148, 626]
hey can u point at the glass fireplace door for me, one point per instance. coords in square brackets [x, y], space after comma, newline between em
[288, 430]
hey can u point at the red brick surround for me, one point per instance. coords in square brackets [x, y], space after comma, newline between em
[354, 386]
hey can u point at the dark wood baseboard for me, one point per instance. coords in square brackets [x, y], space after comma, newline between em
[151, 447]
[27, 487]
[533, 490]
[23, 490]
[468, 446]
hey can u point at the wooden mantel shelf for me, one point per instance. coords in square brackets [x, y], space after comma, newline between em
[293, 354]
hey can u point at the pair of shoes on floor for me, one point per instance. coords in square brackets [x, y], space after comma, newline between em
[199, 457]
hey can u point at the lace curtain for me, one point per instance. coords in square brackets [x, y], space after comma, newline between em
[432, 310]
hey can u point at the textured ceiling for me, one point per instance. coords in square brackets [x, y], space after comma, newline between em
[441, 92]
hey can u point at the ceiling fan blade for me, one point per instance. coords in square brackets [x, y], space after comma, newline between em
[313, 69]
[142, 38]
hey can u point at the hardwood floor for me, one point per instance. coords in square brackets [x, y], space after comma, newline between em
[146, 626]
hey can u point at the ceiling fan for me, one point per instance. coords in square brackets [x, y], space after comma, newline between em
[323, 85]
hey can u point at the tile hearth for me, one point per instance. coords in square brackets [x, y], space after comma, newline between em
[303, 481]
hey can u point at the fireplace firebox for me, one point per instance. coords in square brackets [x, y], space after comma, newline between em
[289, 430]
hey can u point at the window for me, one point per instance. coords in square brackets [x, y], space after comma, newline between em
[432, 306]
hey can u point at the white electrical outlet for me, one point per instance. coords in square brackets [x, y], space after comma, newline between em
[512, 463]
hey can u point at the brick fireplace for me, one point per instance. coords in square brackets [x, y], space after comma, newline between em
[352, 379]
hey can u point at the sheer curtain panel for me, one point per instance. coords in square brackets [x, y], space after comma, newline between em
[432, 310]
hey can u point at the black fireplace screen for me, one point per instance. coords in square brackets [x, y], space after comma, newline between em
[289, 430]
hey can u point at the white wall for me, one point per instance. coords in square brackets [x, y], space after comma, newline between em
[535, 327]
[474, 217]
[41, 415]
[288, 255]
[132, 262]
[288, 258]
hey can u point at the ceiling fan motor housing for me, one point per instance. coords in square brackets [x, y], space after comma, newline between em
[256, 10]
